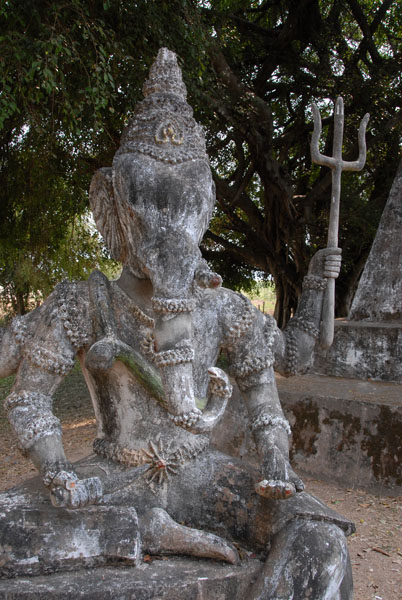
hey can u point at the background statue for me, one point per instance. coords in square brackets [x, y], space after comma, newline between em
[148, 344]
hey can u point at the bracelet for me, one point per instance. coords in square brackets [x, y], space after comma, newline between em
[306, 326]
[264, 420]
[313, 282]
[173, 305]
[250, 365]
[186, 419]
[47, 360]
[176, 356]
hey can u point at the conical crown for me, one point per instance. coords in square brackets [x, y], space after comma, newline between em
[163, 126]
[165, 76]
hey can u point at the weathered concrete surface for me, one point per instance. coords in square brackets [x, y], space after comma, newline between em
[342, 429]
[363, 350]
[173, 579]
[345, 430]
[379, 294]
[36, 537]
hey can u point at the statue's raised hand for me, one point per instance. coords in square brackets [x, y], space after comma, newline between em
[326, 263]
[279, 480]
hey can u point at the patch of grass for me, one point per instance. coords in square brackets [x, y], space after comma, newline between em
[71, 398]
[5, 387]
[263, 297]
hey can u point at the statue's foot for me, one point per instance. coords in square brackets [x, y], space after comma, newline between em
[162, 535]
[280, 482]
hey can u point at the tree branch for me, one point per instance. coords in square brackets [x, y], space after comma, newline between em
[242, 253]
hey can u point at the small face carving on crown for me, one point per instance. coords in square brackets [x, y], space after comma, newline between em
[169, 132]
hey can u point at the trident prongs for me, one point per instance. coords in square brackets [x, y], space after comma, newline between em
[337, 165]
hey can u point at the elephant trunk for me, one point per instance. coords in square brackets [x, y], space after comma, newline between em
[174, 356]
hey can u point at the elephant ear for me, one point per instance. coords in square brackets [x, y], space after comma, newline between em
[104, 209]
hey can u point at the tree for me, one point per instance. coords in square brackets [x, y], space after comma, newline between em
[270, 60]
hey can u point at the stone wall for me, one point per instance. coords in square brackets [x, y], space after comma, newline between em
[342, 430]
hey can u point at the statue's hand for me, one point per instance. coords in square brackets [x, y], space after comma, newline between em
[279, 480]
[67, 491]
[326, 263]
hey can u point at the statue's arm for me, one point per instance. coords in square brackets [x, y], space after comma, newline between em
[29, 408]
[48, 340]
[295, 345]
[251, 358]
[270, 430]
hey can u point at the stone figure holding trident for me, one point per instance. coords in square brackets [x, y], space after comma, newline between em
[337, 165]
[148, 344]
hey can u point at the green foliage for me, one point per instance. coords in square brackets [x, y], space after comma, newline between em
[28, 273]
[71, 74]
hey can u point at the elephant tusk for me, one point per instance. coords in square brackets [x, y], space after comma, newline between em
[103, 354]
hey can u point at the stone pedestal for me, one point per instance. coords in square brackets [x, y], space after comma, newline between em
[368, 345]
[165, 579]
[95, 553]
[363, 350]
[36, 537]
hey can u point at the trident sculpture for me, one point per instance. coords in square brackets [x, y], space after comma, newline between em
[337, 165]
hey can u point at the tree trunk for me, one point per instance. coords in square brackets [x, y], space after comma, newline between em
[286, 301]
[21, 303]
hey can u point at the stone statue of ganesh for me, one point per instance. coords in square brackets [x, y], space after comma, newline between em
[148, 344]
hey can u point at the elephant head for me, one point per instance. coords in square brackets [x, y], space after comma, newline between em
[153, 208]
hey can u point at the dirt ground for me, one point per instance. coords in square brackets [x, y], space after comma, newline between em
[375, 548]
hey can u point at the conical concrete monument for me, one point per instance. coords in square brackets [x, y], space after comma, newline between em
[368, 345]
[379, 295]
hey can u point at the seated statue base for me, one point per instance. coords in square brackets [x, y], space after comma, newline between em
[99, 551]
[100, 558]
[362, 350]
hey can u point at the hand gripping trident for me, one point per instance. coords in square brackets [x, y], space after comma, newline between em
[337, 165]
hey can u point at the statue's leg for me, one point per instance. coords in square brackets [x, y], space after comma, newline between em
[308, 559]
[162, 535]
[215, 493]
[306, 551]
